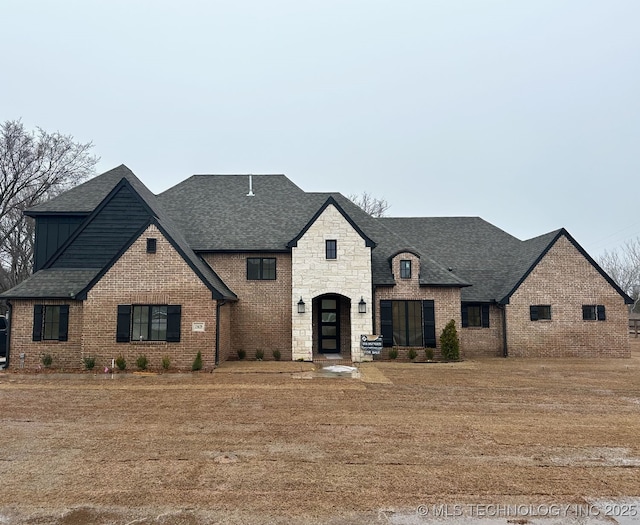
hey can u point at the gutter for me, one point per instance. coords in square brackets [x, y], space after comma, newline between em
[219, 305]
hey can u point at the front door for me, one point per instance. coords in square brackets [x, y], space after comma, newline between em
[329, 325]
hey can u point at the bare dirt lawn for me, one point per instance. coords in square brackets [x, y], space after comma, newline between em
[267, 443]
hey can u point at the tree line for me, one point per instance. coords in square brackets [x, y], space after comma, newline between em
[35, 166]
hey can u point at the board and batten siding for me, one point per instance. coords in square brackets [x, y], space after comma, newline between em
[51, 233]
[120, 218]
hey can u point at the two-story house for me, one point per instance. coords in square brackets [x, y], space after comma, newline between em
[228, 263]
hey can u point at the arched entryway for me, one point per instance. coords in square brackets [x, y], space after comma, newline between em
[332, 325]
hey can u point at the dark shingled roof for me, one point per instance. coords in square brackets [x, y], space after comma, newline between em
[102, 186]
[213, 213]
[86, 197]
[477, 251]
[53, 284]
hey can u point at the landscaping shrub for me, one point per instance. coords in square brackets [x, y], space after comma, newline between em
[166, 362]
[142, 362]
[242, 354]
[259, 355]
[412, 353]
[393, 353]
[47, 360]
[121, 363]
[89, 362]
[428, 353]
[277, 355]
[197, 362]
[449, 342]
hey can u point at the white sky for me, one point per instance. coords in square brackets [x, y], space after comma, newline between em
[523, 112]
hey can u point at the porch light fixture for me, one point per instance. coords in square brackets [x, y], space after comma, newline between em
[300, 306]
[362, 306]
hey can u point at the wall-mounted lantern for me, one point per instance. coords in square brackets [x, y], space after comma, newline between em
[362, 306]
[301, 306]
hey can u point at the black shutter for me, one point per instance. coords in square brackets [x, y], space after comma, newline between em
[533, 311]
[601, 315]
[63, 323]
[123, 331]
[429, 321]
[173, 323]
[37, 322]
[465, 316]
[386, 323]
[485, 315]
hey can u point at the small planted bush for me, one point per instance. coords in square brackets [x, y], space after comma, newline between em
[242, 354]
[166, 362]
[428, 353]
[121, 363]
[89, 362]
[277, 355]
[412, 353]
[142, 362]
[393, 353]
[259, 355]
[449, 342]
[197, 362]
[47, 360]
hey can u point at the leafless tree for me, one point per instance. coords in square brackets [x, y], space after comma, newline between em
[372, 205]
[623, 266]
[34, 166]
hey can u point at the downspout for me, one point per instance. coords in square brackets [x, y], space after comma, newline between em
[219, 305]
[373, 309]
[505, 350]
[9, 315]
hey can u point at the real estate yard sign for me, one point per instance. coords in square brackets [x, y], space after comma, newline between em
[371, 344]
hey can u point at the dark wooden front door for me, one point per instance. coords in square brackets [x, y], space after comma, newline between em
[329, 324]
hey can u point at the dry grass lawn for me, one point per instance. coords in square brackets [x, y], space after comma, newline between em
[265, 443]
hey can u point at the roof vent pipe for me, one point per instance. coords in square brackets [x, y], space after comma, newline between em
[251, 194]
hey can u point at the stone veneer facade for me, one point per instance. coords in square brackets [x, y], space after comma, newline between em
[313, 275]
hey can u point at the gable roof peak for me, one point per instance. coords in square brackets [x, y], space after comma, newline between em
[331, 201]
[85, 197]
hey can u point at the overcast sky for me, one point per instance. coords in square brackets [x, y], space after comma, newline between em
[525, 113]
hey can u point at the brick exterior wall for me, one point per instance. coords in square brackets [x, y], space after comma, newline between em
[446, 300]
[261, 318]
[313, 275]
[136, 278]
[565, 280]
[484, 342]
[65, 354]
[265, 316]
[139, 277]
